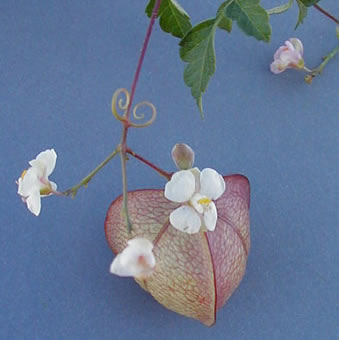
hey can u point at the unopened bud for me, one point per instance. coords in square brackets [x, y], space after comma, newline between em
[183, 156]
[308, 79]
[337, 30]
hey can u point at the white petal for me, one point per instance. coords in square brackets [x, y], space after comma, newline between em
[196, 172]
[28, 182]
[185, 219]
[181, 186]
[290, 58]
[194, 202]
[277, 67]
[141, 243]
[279, 51]
[45, 160]
[212, 184]
[33, 202]
[137, 259]
[53, 185]
[210, 217]
[289, 45]
[298, 45]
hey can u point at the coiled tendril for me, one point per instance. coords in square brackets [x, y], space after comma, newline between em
[123, 106]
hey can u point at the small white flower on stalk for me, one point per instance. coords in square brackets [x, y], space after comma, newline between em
[196, 191]
[137, 259]
[34, 184]
[288, 56]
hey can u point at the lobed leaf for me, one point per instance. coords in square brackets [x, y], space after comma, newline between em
[173, 18]
[251, 18]
[195, 274]
[197, 49]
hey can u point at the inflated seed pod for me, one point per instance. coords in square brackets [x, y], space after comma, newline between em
[195, 274]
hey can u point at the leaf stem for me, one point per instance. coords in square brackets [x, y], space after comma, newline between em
[314, 72]
[84, 182]
[320, 9]
[280, 9]
[161, 172]
[126, 124]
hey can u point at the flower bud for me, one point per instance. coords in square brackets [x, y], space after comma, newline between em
[337, 30]
[308, 78]
[183, 156]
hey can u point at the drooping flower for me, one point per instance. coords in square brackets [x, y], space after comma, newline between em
[137, 259]
[288, 56]
[34, 183]
[196, 191]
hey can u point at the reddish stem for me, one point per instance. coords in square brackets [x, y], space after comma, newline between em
[148, 163]
[126, 123]
[326, 13]
[142, 54]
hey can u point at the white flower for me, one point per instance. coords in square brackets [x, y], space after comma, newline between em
[34, 184]
[195, 190]
[137, 259]
[288, 56]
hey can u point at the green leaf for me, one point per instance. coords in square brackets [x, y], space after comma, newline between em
[309, 3]
[173, 18]
[197, 49]
[302, 13]
[251, 18]
[280, 9]
[224, 22]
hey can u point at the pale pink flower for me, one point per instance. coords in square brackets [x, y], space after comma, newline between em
[288, 56]
[137, 259]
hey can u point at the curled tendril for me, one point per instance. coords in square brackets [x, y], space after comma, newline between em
[138, 116]
[123, 105]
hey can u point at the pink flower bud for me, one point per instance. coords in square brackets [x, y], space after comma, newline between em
[183, 156]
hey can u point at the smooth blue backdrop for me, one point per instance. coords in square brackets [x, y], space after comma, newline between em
[60, 63]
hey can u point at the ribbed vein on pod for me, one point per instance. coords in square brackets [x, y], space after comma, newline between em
[214, 279]
[224, 219]
[156, 240]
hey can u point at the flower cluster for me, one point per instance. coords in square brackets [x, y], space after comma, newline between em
[195, 190]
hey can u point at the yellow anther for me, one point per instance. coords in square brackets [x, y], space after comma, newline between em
[23, 174]
[204, 201]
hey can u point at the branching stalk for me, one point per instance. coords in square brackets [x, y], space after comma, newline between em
[84, 182]
[161, 172]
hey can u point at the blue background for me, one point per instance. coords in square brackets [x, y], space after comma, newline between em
[60, 63]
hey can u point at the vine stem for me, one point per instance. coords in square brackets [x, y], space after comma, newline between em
[126, 125]
[161, 172]
[320, 9]
[314, 72]
[84, 182]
